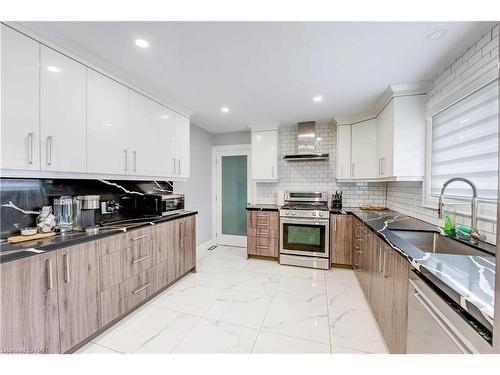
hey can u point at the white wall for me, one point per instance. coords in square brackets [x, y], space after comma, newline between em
[198, 189]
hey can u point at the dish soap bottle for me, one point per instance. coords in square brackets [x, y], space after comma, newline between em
[450, 217]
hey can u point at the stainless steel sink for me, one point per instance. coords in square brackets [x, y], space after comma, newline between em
[431, 242]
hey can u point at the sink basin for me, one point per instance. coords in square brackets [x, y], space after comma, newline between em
[432, 242]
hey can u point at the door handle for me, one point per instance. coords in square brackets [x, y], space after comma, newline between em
[30, 145]
[49, 150]
[140, 259]
[352, 169]
[126, 160]
[48, 265]
[66, 268]
[380, 166]
[383, 165]
[134, 153]
[380, 259]
[272, 171]
[179, 163]
[335, 224]
[384, 266]
[173, 160]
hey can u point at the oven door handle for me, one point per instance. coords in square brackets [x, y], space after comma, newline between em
[305, 221]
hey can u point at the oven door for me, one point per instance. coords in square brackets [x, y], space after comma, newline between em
[308, 237]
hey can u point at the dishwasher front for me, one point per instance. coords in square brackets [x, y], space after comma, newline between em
[434, 327]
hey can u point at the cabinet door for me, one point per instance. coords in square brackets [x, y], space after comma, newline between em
[29, 308]
[188, 233]
[77, 279]
[344, 151]
[143, 140]
[265, 155]
[385, 140]
[341, 239]
[20, 126]
[364, 150]
[107, 125]
[182, 145]
[63, 113]
[166, 120]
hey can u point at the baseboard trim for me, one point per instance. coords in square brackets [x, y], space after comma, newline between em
[205, 245]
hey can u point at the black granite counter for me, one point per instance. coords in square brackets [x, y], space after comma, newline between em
[10, 252]
[263, 207]
[467, 280]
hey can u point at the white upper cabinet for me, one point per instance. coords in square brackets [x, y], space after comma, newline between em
[107, 125]
[265, 155]
[60, 118]
[63, 112]
[364, 150]
[182, 146]
[385, 136]
[167, 161]
[144, 135]
[343, 151]
[20, 125]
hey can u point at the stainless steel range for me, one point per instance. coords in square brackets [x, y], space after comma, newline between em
[304, 230]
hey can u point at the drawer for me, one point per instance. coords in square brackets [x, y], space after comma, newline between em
[122, 241]
[110, 305]
[263, 232]
[262, 246]
[136, 289]
[137, 259]
[121, 265]
[161, 276]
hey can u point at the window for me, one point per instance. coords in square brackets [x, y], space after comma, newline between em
[465, 144]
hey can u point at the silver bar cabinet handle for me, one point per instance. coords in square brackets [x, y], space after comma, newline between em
[66, 268]
[173, 160]
[30, 142]
[179, 162]
[384, 267]
[380, 258]
[141, 288]
[135, 160]
[352, 169]
[125, 152]
[48, 264]
[140, 259]
[49, 150]
[335, 224]
[139, 237]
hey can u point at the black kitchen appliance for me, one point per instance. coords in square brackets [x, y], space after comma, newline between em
[337, 201]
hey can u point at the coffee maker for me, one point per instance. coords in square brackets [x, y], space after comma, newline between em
[86, 211]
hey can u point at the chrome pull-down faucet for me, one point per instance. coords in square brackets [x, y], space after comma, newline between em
[476, 236]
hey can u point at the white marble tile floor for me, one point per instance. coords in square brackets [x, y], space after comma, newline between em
[235, 305]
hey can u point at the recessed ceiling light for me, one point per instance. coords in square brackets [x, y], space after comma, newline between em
[54, 69]
[319, 139]
[318, 98]
[142, 43]
[224, 109]
[108, 124]
[164, 117]
[436, 35]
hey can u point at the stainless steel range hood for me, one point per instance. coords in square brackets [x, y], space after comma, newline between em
[306, 144]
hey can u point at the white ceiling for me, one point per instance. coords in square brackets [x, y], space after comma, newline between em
[264, 72]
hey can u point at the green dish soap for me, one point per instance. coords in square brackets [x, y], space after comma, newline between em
[450, 216]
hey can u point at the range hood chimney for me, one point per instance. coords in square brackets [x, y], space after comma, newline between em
[306, 144]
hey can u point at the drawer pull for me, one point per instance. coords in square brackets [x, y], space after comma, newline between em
[261, 247]
[262, 225]
[49, 274]
[66, 268]
[139, 237]
[262, 215]
[135, 261]
[140, 289]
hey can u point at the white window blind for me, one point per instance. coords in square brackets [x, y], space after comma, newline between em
[465, 144]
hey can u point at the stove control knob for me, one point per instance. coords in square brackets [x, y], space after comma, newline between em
[314, 213]
[287, 213]
[320, 214]
[294, 213]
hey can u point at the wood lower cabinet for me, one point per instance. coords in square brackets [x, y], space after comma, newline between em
[52, 302]
[383, 276]
[263, 234]
[341, 239]
[78, 292]
[29, 308]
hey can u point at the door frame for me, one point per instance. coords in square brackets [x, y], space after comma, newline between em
[217, 153]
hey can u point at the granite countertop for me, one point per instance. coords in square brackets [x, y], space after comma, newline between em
[469, 280]
[10, 252]
[263, 207]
